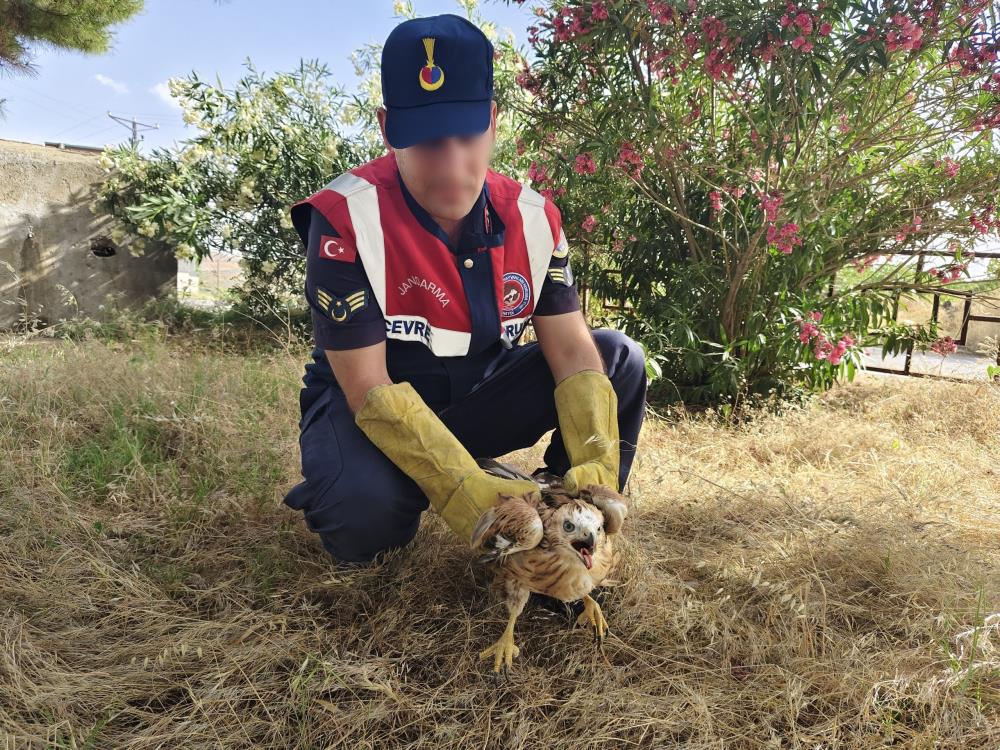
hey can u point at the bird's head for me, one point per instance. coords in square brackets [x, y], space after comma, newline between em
[580, 527]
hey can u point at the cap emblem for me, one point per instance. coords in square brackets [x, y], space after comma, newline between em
[431, 76]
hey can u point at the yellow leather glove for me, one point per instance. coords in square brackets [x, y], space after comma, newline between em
[587, 406]
[398, 421]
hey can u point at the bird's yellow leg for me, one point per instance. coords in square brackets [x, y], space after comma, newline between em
[504, 650]
[593, 616]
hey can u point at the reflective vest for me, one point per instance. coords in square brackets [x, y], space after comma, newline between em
[426, 291]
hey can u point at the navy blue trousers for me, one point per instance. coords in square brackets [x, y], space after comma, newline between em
[361, 504]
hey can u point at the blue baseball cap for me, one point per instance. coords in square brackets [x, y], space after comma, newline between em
[437, 79]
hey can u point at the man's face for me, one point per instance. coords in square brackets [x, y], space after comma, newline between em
[446, 175]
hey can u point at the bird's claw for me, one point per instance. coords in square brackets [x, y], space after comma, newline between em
[593, 617]
[503, 653]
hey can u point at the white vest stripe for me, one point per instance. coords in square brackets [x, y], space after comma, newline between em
[362, 204]
[537, 235]
[444, 342]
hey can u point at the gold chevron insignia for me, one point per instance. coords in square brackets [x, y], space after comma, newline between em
[342, 309]
[561, 275]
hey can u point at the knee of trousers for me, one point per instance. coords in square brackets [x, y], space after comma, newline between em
[623, 358]
[361, 515]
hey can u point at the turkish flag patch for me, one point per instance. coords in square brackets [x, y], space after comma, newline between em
[336, 248]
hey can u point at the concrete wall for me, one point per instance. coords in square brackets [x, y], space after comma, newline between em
[47, 235]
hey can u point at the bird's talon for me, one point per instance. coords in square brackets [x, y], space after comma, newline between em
[503, 653]
[593, 617]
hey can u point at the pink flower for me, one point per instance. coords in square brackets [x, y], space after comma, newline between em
[907, 229]
[907, 37]
[863, 264]
[718, 68]
[825, 28]
[769, 204]
[630, 161]
[800, 42]
[661, 11]
[537, 173]
[985, 221]
[944, 346]
[804, 22]
[715, 199]
[527, 81]
[951, 166]
[589, 223]
[584, 164]
[784, 238]
[713, 27]
[823, 349]
[598, 11]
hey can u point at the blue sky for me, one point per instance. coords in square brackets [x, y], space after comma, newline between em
[69, 98]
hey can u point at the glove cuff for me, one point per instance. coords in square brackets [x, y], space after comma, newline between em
[587, 407]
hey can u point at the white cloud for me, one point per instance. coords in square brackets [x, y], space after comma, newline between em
[111, 83]
[162, 90]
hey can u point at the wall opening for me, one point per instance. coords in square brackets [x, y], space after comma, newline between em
[103, 247]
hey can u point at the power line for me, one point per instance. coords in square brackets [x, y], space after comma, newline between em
[74, 127]
[104, 129]
[61, 102]
[135, 125]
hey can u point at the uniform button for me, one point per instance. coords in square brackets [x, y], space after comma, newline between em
[468, 263]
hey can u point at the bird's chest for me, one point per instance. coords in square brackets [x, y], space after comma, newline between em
[557, 575]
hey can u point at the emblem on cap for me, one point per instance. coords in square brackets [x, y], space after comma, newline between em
[431, 76]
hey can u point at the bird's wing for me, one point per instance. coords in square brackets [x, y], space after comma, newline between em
[512, 525]
[612, 505]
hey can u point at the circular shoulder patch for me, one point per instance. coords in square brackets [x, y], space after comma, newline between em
[516, 294]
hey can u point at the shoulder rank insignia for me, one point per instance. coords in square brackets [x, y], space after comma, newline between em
[562, 275]
[561, 249]
[342, 309]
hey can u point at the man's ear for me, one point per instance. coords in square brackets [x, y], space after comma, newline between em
[493, 117]
[380, 115]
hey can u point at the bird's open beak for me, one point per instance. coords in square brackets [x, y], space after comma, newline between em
[585, 548]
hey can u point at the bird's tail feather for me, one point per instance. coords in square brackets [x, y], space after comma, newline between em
[502, 470]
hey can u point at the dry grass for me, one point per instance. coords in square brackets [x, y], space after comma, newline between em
[823, 579]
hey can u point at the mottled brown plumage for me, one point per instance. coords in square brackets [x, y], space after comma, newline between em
[551, 543]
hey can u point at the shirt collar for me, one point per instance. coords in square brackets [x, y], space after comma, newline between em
[481, 227]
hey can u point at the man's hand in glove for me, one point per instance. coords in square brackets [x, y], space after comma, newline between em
[587, 406]
[405, 429]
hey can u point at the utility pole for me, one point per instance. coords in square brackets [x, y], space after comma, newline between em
[134, 125]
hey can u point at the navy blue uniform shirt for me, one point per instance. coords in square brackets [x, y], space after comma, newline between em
[439, 380]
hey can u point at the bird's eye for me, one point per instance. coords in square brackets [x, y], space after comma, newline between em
[568, 526]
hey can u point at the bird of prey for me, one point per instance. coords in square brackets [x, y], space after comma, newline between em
[549, 542]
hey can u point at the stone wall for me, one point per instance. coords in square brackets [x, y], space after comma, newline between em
[54, 252]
